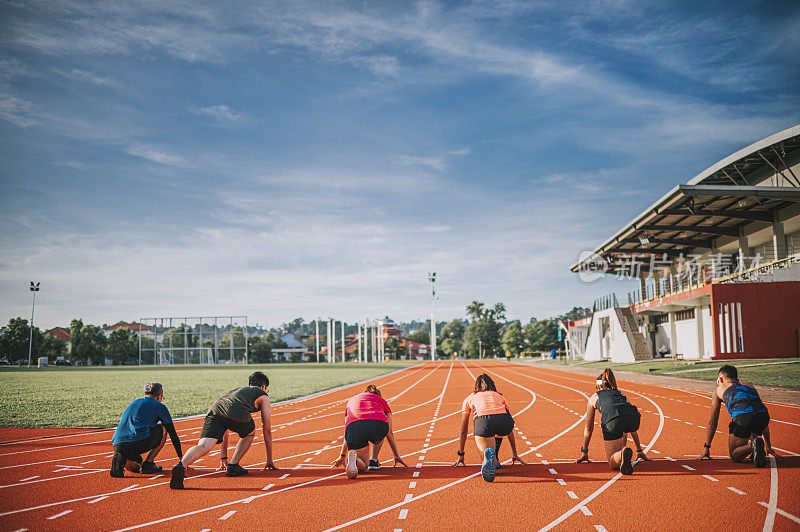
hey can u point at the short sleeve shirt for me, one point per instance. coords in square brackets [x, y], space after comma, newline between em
[237, 404]
[484, 403]
[138, 418]
[366, 405]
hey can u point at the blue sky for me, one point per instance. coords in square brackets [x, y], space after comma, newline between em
[319, 158]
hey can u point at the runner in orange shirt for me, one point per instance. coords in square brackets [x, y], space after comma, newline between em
[491, 421]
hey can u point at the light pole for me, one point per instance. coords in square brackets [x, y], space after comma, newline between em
[432, 279]
[34, 289]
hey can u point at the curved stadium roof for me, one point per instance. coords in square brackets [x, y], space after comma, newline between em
[747, 186]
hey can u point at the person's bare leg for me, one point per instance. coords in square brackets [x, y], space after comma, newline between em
[133, 467]
[376, 448]
[151, 456]
[241, 447]
[614, 451]
[198, 451]
[738, 448]
[363, 458]
[483, 444]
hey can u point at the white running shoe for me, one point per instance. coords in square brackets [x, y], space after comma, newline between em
[352, 464]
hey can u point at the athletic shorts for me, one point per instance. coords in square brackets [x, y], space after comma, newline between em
[133, 450]
[745, 424]
[617, 427]
[493, 425]
[215, 427]
[359, 434]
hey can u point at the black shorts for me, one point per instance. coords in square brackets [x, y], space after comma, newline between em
[215, 427]
[493, 425]
[132, 450]
[359, 434]
[745, 424]
[617, 427]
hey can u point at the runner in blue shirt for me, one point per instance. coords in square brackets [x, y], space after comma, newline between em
[143, 428]
[750, 419]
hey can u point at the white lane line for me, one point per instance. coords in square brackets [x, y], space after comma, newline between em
[128, 488]
[409, 496]
[267, 487]
[87, 462]
[104, 497]
[690, 468]
[769, 521]
[561, 481]
[403, 513]
[712, 479]
[552, 471]
[249, 499]
[605, 486]
[738, 492]
[415, 474]
[308, 459]
[585, 510]
[781, 512]
[283, 476]
[572, 495]
[227, 515]
[157, 476]
[412, 485]
[21, 530]
[600, 528]
[65, 512]
[29, 478]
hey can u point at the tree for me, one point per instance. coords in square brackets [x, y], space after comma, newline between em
[122, 345]
[88, 343]
[260, 349]
[451, 337]
[542, 335]
[392, 347]
[514, 338]
[14, 341]
[53, 347]
[422, 336]
[484, 329]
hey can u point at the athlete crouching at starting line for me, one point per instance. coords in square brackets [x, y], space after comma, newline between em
[143, 428]
[231, 412]
[618, 419]
[368, 419]
[491, 421]
[750, 419]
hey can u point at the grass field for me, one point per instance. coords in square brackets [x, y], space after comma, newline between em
[96, 397]
[773, 374]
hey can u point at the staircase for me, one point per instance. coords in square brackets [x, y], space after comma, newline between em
[639, 344]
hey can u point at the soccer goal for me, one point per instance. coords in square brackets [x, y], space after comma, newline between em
[193, 340]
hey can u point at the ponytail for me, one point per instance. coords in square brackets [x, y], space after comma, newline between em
[606, 380]
[372, 389]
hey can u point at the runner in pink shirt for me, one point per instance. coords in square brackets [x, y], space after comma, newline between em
[491, 421]
[368, 419]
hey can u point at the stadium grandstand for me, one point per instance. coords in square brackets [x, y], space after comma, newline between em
[718, 265]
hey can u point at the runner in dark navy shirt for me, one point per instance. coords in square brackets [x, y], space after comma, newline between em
[618, 418]
[750, 419]
[143, 428]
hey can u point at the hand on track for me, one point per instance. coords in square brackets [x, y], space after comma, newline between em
[706, 455]
[641, 456]
[584, 458]
[516, 458]
[271, 466]
[399, 460]
[223, 466]
[338, 462]
[459, 462]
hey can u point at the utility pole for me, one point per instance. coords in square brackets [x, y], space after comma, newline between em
[480, 349]
[316, 326]
[34, 289]
[344, 358]
[432, 279]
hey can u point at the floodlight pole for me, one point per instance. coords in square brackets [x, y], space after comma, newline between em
[316, 327]
[34, 288]
[432, 279]
[344, 358]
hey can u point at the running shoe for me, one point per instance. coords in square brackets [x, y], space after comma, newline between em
[759, 456]
[627, 467]
[178, 474]
[488, 467]
[352, 464]
[118, 466]
[374, 464]
[150, 468]
[235, 470]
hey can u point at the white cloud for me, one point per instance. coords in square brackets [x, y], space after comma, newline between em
[436, 163]
[460, 151]
[19, 111]
[220, 112]
[156, 155]
[87, 77]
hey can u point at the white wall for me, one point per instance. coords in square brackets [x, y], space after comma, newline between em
[662, 337]
[686, 338]
[621, 350]
[708, 332]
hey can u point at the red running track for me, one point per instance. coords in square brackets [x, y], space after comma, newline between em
[59, 479]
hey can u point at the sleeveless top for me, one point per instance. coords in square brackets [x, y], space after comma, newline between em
[740, 399]
[613, 404]
[237, 404]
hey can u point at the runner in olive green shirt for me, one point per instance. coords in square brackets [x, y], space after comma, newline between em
[231, 412]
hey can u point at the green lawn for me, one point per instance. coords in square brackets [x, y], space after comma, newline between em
[774, 374]
[95, 397]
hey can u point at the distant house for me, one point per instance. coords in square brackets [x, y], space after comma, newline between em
[133, 327]
[61, 333]
[294, 346]
[414, 349]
